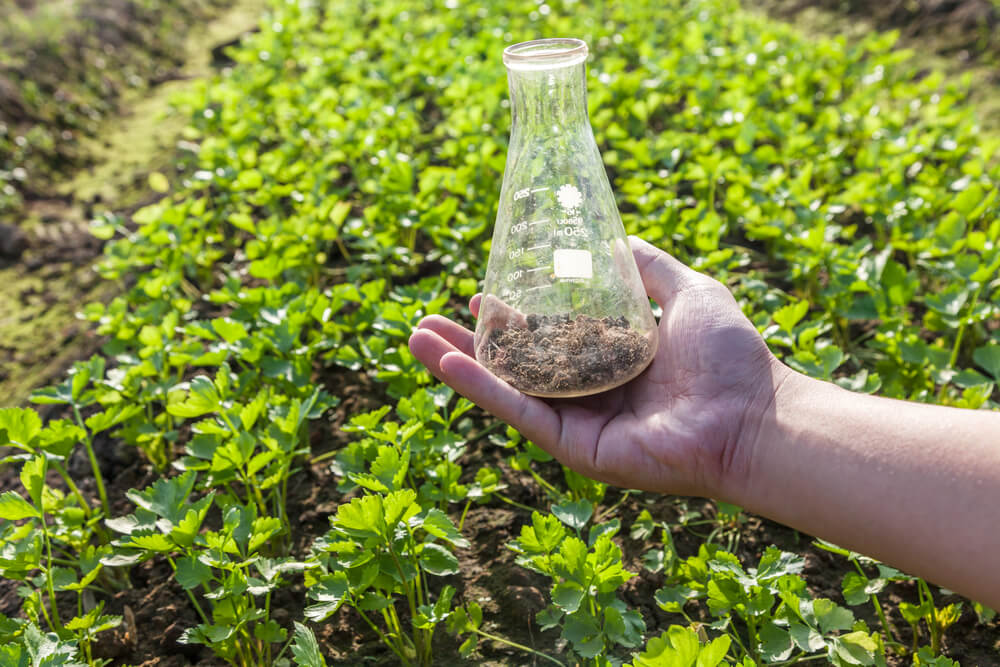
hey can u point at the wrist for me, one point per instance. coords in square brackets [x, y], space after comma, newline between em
[767, 414]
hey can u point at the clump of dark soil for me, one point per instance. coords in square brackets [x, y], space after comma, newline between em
[556, 355]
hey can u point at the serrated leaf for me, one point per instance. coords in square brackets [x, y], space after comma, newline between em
[439, 525]
[13, 507]
[567, 596]
[269, 632]
[192, 573]
[305, 649]
[102, 421]
[201, 398]
[545, 533]
[166, 498]
[390, 466]
[437, 560]
[854, 648]
[788, 316]
[775, 643]
[33, 478]
[19, 427]
[330, 591]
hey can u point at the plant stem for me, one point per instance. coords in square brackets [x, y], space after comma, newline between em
[48, 579]
[197, 607]
[397, 650]
[611, 508]
[889, 630]
[801, 657]
[930, 618]
[510, 501]
[72, 487]
[514, 644]
[751, 640]
[98, 478]
[418, 644]
[465, 510]
[961, 329]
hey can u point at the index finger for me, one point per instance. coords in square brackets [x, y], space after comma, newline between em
[533, 417]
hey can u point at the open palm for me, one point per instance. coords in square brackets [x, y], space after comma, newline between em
[685, 425]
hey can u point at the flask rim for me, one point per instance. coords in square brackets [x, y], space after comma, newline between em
[545, 53]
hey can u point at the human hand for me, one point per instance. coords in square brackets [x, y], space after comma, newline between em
[686, 425]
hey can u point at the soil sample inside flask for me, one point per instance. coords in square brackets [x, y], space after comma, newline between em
[567, 355]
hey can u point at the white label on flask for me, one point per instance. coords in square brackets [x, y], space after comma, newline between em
[573, 263]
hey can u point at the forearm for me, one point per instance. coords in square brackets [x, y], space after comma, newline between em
[914, 485]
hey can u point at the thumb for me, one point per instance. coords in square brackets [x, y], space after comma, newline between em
[662, 275]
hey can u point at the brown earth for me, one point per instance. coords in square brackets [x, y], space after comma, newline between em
[560, 355]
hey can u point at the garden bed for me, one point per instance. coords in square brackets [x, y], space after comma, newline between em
[282, 476]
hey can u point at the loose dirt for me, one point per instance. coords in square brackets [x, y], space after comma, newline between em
[557, 355]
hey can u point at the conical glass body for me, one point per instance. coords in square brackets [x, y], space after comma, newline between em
[564, 312]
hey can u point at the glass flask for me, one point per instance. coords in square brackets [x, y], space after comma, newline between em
[564, 312]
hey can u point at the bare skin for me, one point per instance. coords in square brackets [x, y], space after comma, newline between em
[717, 415]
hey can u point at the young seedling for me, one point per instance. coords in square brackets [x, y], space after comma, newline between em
[584, 580]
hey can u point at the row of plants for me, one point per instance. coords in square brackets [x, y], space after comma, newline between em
[347, 175]
[63, 70]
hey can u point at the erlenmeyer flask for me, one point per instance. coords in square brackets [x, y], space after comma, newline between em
[564, 312]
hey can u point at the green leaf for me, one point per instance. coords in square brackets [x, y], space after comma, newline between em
[468, 646]
[202, 398]
[14, 507]
[436, 559]
[150, 542]
[362, 517]
[574, 514]
[192, 573]
[949, 301]
[229, 329]
[788, 316]
[111, 417]
[46, 650]
[775, 643]
[925, 658]
[854, 648]
[269, 632]
[158, 182]
[33, 478]
[987, 357]
[714, 653]
[567, 596]
[330, 592]
[545, 533]
[305, 649]
[950, 229]
[248, 180]
[968, 199]
[831, 616]
[913, 613]
[166, 498]
[400, 506]
[439, 525]
[19, 427]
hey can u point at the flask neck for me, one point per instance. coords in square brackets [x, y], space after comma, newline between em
[548, 86]
[549, 101]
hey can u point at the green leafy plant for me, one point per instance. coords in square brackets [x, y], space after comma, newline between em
[226, 570]
[379, 553]
[585, 578]
[779, 621]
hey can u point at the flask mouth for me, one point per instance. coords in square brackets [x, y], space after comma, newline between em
[540, 54]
